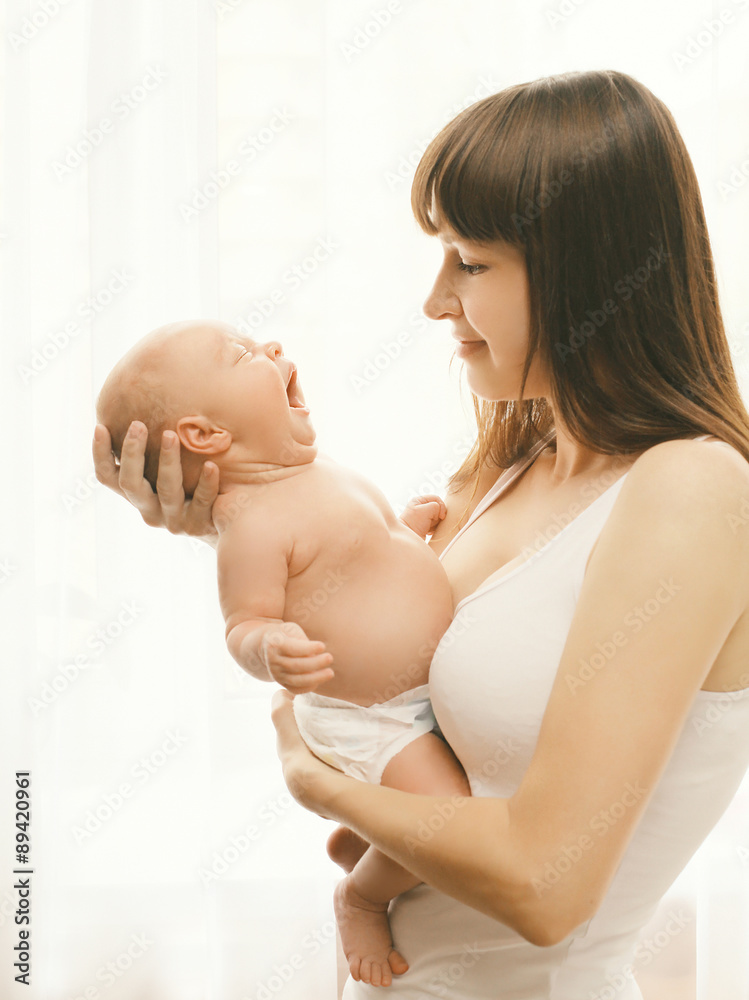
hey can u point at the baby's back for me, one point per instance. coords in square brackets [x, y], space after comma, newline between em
[359, 580]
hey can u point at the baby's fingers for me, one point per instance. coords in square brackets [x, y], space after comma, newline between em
[289, 645]
[300, 664]
[436, 506]
[307, 682]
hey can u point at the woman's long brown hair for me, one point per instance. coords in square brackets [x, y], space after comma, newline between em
[587, 174]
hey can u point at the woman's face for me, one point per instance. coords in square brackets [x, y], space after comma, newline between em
[483, 289]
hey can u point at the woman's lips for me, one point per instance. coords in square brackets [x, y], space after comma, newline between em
[465, 348]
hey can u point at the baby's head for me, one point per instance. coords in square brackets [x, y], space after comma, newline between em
[229, 399]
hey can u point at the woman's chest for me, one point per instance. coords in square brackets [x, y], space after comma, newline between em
[522, 522]
[517, 525]
[492, 546]
[492, 672]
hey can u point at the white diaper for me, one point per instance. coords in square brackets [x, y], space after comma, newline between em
[359, 740]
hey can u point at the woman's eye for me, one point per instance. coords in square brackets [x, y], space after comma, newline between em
[470, 268]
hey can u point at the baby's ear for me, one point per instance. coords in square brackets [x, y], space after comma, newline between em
[202, 437]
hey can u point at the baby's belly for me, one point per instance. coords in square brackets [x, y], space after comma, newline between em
[380, 607]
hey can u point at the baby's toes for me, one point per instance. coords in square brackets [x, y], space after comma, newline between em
[375, 977]
[365, 971]
[397, 963]
[354, 967]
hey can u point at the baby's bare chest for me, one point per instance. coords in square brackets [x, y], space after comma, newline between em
[348, 542]
[343, 527]
[341, 535]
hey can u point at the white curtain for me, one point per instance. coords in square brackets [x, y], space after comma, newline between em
[251, 160]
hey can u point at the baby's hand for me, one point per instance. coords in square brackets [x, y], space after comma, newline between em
[297, 663]
[424, 513]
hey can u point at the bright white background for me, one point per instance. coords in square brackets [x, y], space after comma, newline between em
[163, 839]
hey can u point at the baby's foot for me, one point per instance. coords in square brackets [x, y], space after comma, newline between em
[366, 938]
[345, 847]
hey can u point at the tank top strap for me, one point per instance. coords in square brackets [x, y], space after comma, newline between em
[505, 479]
[510, 475]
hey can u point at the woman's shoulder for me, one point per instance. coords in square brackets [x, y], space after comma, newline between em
[681, 462]
[694, 492]
[682, 516]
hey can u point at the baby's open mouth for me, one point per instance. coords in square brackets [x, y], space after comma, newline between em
[295, 399]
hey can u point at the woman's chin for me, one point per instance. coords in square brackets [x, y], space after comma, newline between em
[497, 391]
[489, 393]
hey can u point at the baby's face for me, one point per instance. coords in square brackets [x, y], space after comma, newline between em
[246, 386]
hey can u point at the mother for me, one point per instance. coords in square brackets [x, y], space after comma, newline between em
[594, 681]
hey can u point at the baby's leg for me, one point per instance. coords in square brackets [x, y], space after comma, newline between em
[428, 767]
[345, 847]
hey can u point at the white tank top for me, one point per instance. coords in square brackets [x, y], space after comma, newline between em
[490, 681]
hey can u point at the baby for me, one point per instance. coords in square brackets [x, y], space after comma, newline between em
[322, 588]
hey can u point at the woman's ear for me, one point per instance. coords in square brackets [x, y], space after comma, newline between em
[198, 435]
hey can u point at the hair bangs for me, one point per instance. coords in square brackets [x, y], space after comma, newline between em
[474, 173]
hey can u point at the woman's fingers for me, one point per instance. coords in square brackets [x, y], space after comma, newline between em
[199, 520]
[105, 466]
[127, 477]
[169, 482]
[302, 771]
[165, 507]
[133, 486]
[132, 459]
[287, 731]
[193, 517]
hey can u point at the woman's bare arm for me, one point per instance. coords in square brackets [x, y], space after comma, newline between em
[466, 857]
[166, 507]
[604, 740]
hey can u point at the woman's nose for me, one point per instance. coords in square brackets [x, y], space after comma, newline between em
[441, 301]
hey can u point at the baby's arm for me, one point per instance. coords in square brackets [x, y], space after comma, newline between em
[423, 514]
[253, 570]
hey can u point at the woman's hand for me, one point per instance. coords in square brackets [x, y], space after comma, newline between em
[310, 780]
[167, 507]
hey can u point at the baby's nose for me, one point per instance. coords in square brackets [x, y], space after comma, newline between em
[272, 348]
